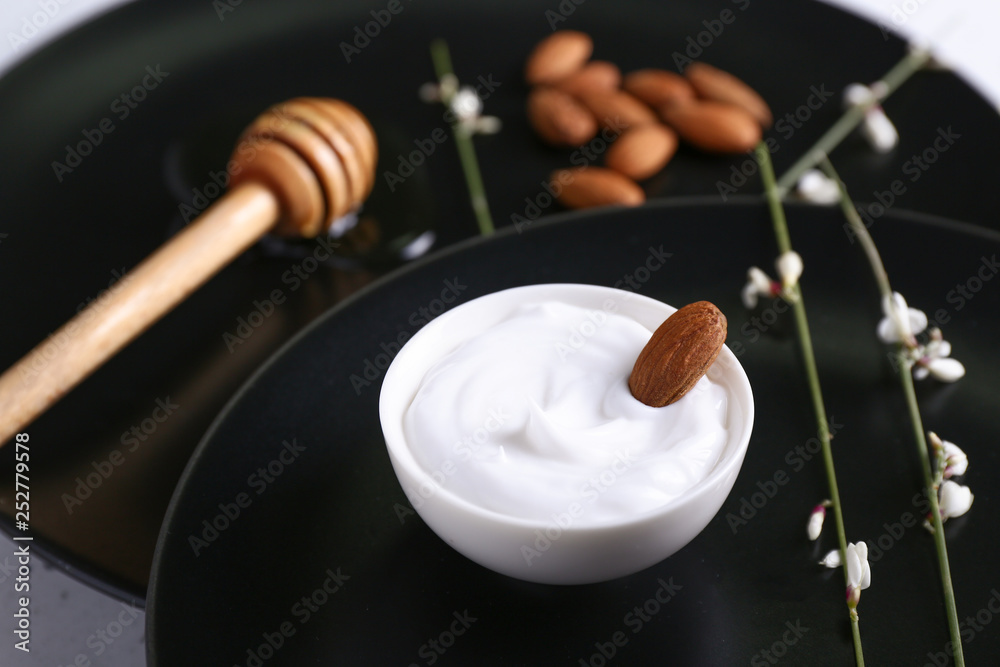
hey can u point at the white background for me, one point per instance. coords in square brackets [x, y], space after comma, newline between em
[963, 32]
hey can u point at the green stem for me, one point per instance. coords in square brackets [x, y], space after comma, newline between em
[939, 543]
[895, 77]
[463, 141]
[903, 368]
[860, 231]
[812, 374]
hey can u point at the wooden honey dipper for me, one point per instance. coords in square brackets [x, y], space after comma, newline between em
[314, 162]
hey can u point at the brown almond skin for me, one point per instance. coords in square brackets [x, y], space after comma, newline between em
[658, 87]
[557, 56]
[713, 126]
[678, 354]
[642, 151]
[616, 110]
[712, 83]
[559, 119]
[596, 75]
[583, 187]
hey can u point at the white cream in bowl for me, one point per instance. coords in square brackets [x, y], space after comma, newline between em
[512, 430]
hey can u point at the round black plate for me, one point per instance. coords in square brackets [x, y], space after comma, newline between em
[204, 72]
[290, 536]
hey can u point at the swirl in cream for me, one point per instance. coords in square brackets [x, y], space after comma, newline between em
[533, 418]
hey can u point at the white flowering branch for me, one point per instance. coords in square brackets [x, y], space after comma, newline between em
[857, 574]
[855, 115]
[900, 326]
[465, 106]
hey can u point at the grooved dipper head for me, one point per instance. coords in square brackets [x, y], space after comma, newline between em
[316, 154]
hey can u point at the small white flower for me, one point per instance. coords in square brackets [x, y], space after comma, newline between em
[789, 266]
[900, 323]
[430, 92]
[758, 284]
[463, 102]
[955, 500]
[484, 125]
[951, 460]
[856, 94]
[956, 462]
[438, 92]
[816, 518]
[859, 572]
[879, 131]
[876, 128]
[943, 370]
[466, 104]
[818, 188]
[932, 360]
[832, 559]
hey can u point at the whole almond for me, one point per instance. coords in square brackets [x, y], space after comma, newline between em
[616, 110]
[559, 119]
[642, 151]
[557, 56]
[713, 126]
[594, 76]
[678, 354]
[658, 87]
[583, 187]
[712, 83]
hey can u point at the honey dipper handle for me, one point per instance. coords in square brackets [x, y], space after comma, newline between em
[165, 278]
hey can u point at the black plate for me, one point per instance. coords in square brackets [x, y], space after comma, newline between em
[67, 238]
[228, 577]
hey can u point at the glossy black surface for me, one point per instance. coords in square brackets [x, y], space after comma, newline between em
[66, 239]
[749, 583]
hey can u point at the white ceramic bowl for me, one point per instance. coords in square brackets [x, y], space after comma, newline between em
[578, 553]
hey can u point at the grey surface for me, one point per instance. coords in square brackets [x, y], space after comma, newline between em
[71, 624]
